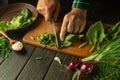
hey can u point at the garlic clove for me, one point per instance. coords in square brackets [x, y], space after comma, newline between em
[17, 46]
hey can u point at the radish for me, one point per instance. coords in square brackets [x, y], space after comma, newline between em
[74, 64]
[87, 67]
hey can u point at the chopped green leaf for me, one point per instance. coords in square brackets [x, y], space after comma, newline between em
[38, 58]
[46, 39]
[64, 43]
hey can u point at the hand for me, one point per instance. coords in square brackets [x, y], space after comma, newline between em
[47, 8]
[73, 22]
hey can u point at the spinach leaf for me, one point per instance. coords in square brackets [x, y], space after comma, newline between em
[46, 39]
[95, 34]
[73, 37]
[68, 40]
[64, 44]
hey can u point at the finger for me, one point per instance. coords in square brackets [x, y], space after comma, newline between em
[56, 13]
[70, 26]
[63, 30]
[39, 9]
[76, 27]
[82, 26]
[43, 12]
[48, 15]
[38, 6]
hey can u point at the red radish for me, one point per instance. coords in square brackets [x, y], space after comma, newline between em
[87, 67]
[74, 64]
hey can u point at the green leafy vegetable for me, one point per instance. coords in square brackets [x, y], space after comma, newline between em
[107, 60]
[74, 37]
[46, 39]
[67, 42]
[109, 55]
[106, 57]
[64, 44]
[4, 47]
[19, 20]
[113, 32]
[95, 34]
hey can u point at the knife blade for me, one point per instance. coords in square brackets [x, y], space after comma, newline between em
[55, 33]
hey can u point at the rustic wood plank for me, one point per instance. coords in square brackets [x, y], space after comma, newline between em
[37, 69]
[67, 75]
[1, 59]
[57, 71]
[54, 68]
[12, 66]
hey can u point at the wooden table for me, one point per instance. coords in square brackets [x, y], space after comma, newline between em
[24, 66]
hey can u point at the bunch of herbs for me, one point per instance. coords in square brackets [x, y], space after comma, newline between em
[4, 47]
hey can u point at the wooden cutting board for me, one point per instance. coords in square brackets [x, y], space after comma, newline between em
[41, 26]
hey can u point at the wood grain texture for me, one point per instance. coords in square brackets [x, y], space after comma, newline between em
[12, 66]
[37, 69]
[41, 26]
[59, 72]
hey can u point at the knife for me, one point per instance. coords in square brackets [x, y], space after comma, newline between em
[56, 38]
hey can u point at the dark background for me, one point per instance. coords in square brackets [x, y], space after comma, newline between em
[108, 11]
[33, 2]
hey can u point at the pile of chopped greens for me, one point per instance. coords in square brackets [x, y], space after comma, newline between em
[18, 21]
[48, 39]
[4, 47]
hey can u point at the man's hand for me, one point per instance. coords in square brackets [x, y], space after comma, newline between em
[73, 22]
[47, 8]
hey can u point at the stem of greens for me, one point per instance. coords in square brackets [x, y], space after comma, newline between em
[92, 48]
[83, 44]
[90, 58]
